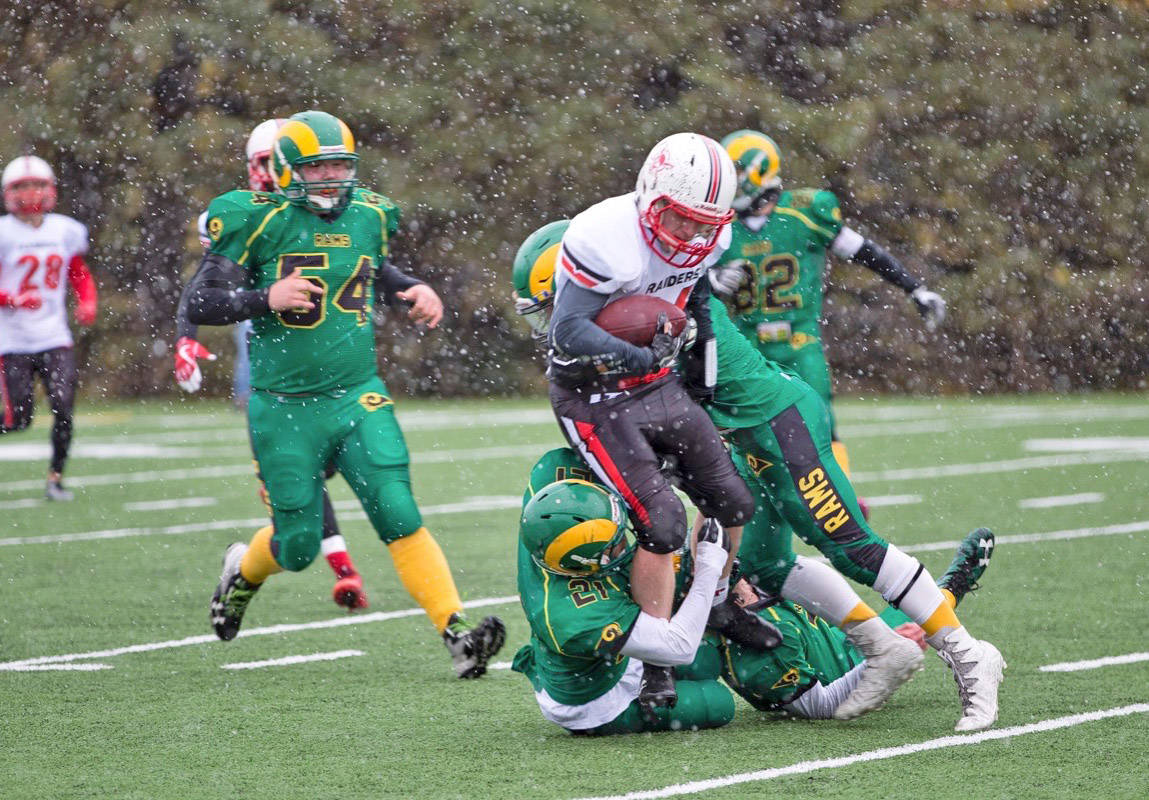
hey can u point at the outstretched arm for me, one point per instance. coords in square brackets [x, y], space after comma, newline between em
[852, 245]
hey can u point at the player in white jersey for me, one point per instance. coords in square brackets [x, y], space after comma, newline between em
[621, 406]
[348, 591]
[39, 252]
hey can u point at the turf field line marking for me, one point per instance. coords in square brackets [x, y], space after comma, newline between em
[1096, 663]
[289, 660]
[500, 665]
[57, 668]
[1008, 465]
[877, 501]
[944, 742]
[476, 503]
[1032, 538]
[1086, 444]
[168, 505]
[28, 502]
[1057, 501]
[209, 638]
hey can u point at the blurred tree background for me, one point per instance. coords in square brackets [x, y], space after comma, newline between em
[997, 147]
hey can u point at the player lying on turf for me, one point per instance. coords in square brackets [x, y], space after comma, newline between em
[306, 264]
[348, 591]
[779, 430]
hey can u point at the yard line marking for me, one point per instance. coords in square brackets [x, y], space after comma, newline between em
[944, 742]
[1108, 661]
[500, 665]
[476, 503]
[57, 668]
[1087, 444]
[1008, 465]
[36, 451]
[877, 501]
[1032, 538]
[28, 502]
[208, 638]
[168, 505]
[1057, 501]
[289, 660]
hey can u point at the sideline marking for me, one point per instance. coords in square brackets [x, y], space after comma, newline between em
[1057, 501]
[289, 660]
[1108, 661]
[944, 742]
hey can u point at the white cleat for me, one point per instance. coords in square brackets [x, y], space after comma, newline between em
[890, 662]
[978, 670]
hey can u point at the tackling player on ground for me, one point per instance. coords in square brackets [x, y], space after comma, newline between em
[40, 252]
[306, 265]
[773, 273]
[348, 591]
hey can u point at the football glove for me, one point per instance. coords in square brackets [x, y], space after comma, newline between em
[571, 372]
[28, 300]
[86, 313]
[930, 305]
[665, 346]
[713, 545]
[726, 279]
[188, 375]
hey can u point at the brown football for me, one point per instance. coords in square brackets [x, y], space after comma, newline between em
[634, 318]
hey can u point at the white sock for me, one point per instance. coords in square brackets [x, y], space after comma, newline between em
[820, 588]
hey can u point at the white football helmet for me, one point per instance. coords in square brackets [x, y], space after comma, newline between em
[21, 196]
[258, 152]
[691, 176]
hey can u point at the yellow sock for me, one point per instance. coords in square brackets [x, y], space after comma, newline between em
[258, 562]
[942, 620]
[841, 456]
[859, 613]
[424, 571]
[951, 601]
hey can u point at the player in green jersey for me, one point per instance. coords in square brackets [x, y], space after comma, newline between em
[305, 265]
[774, 270]
[589, 638]
[779, 428]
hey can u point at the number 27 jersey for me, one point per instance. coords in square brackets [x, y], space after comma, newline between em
[332, 346]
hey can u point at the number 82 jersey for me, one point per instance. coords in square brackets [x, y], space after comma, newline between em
[331, 346]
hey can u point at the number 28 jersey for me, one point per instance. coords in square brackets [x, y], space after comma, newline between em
[332, 346]
[38, 259]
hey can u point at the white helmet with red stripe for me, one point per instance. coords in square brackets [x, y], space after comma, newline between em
[259, 145]
[29, 186]
[691, 178]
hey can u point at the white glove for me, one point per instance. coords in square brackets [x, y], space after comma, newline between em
[930, 305]
[727, 278]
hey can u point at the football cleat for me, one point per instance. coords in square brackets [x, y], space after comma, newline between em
[471, 647]
[743, 627]
[978, 670]
[891, 660]
[657, 690]
[349, 592]
[970, 561]
[232, 594]
[55, 491]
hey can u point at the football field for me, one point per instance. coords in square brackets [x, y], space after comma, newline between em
[113, 686]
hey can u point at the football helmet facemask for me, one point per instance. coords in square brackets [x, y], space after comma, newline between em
[258, 152]
[311, 137]
[534, 276]
[575, 527]
[29, 186]
[687, 183]
[758, 162]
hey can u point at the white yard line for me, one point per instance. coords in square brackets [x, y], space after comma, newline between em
[168, 505]
[90, 667]
[880, 500]
[942, 743]
[290, 660]
[997, 467]
[1033, 538]
[1060, 500]
[1095, 663]
[27, 502]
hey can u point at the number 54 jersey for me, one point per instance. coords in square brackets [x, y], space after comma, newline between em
[332, 346]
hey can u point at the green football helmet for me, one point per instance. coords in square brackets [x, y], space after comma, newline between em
[758, 162]
[534, 276]
[575, 527]
[310, 137]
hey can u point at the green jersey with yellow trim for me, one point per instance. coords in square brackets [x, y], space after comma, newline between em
[811, 650]
[785, 262]
[332, 346]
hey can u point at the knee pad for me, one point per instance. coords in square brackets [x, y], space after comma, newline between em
[390, 505]
[667, 530]
[297, 538]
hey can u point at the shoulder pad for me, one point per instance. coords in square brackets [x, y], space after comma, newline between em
[389, 206]
[599, 249]
[233, 215]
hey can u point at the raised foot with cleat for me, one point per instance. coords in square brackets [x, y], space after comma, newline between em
[232, 594]
[969, 563]
[890, 662]
[471, 646]
[348, 592]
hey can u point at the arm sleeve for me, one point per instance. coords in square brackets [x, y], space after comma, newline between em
[873, 257]
[573, 331]
[81, 280]
[674, 641]
[820, 700]
[389, 279]
[700, 363]
[215, 294]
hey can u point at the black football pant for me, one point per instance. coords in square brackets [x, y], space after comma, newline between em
[57, 369]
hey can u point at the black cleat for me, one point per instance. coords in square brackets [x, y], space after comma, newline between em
[471, 646]
[743, 626]
[969, 564]
[232, 595]
[658, 690]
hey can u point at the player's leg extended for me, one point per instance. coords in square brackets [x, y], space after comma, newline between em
[16, 391]
[59, 372]
[348, 591]
[701, 704]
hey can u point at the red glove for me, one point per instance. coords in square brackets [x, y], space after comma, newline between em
[86, 313]
[28, 300]
[85, 289]
[188, 375]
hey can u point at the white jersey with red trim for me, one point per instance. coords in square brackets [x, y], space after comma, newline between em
[38, 258]
[603, 250]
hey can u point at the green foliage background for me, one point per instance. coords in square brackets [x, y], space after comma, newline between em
[997, 147]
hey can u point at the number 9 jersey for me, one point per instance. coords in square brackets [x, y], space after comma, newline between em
[331, 346]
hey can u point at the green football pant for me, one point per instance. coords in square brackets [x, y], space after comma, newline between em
[793, 462]
[701, 704]
[803, 354]
[293, 438]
